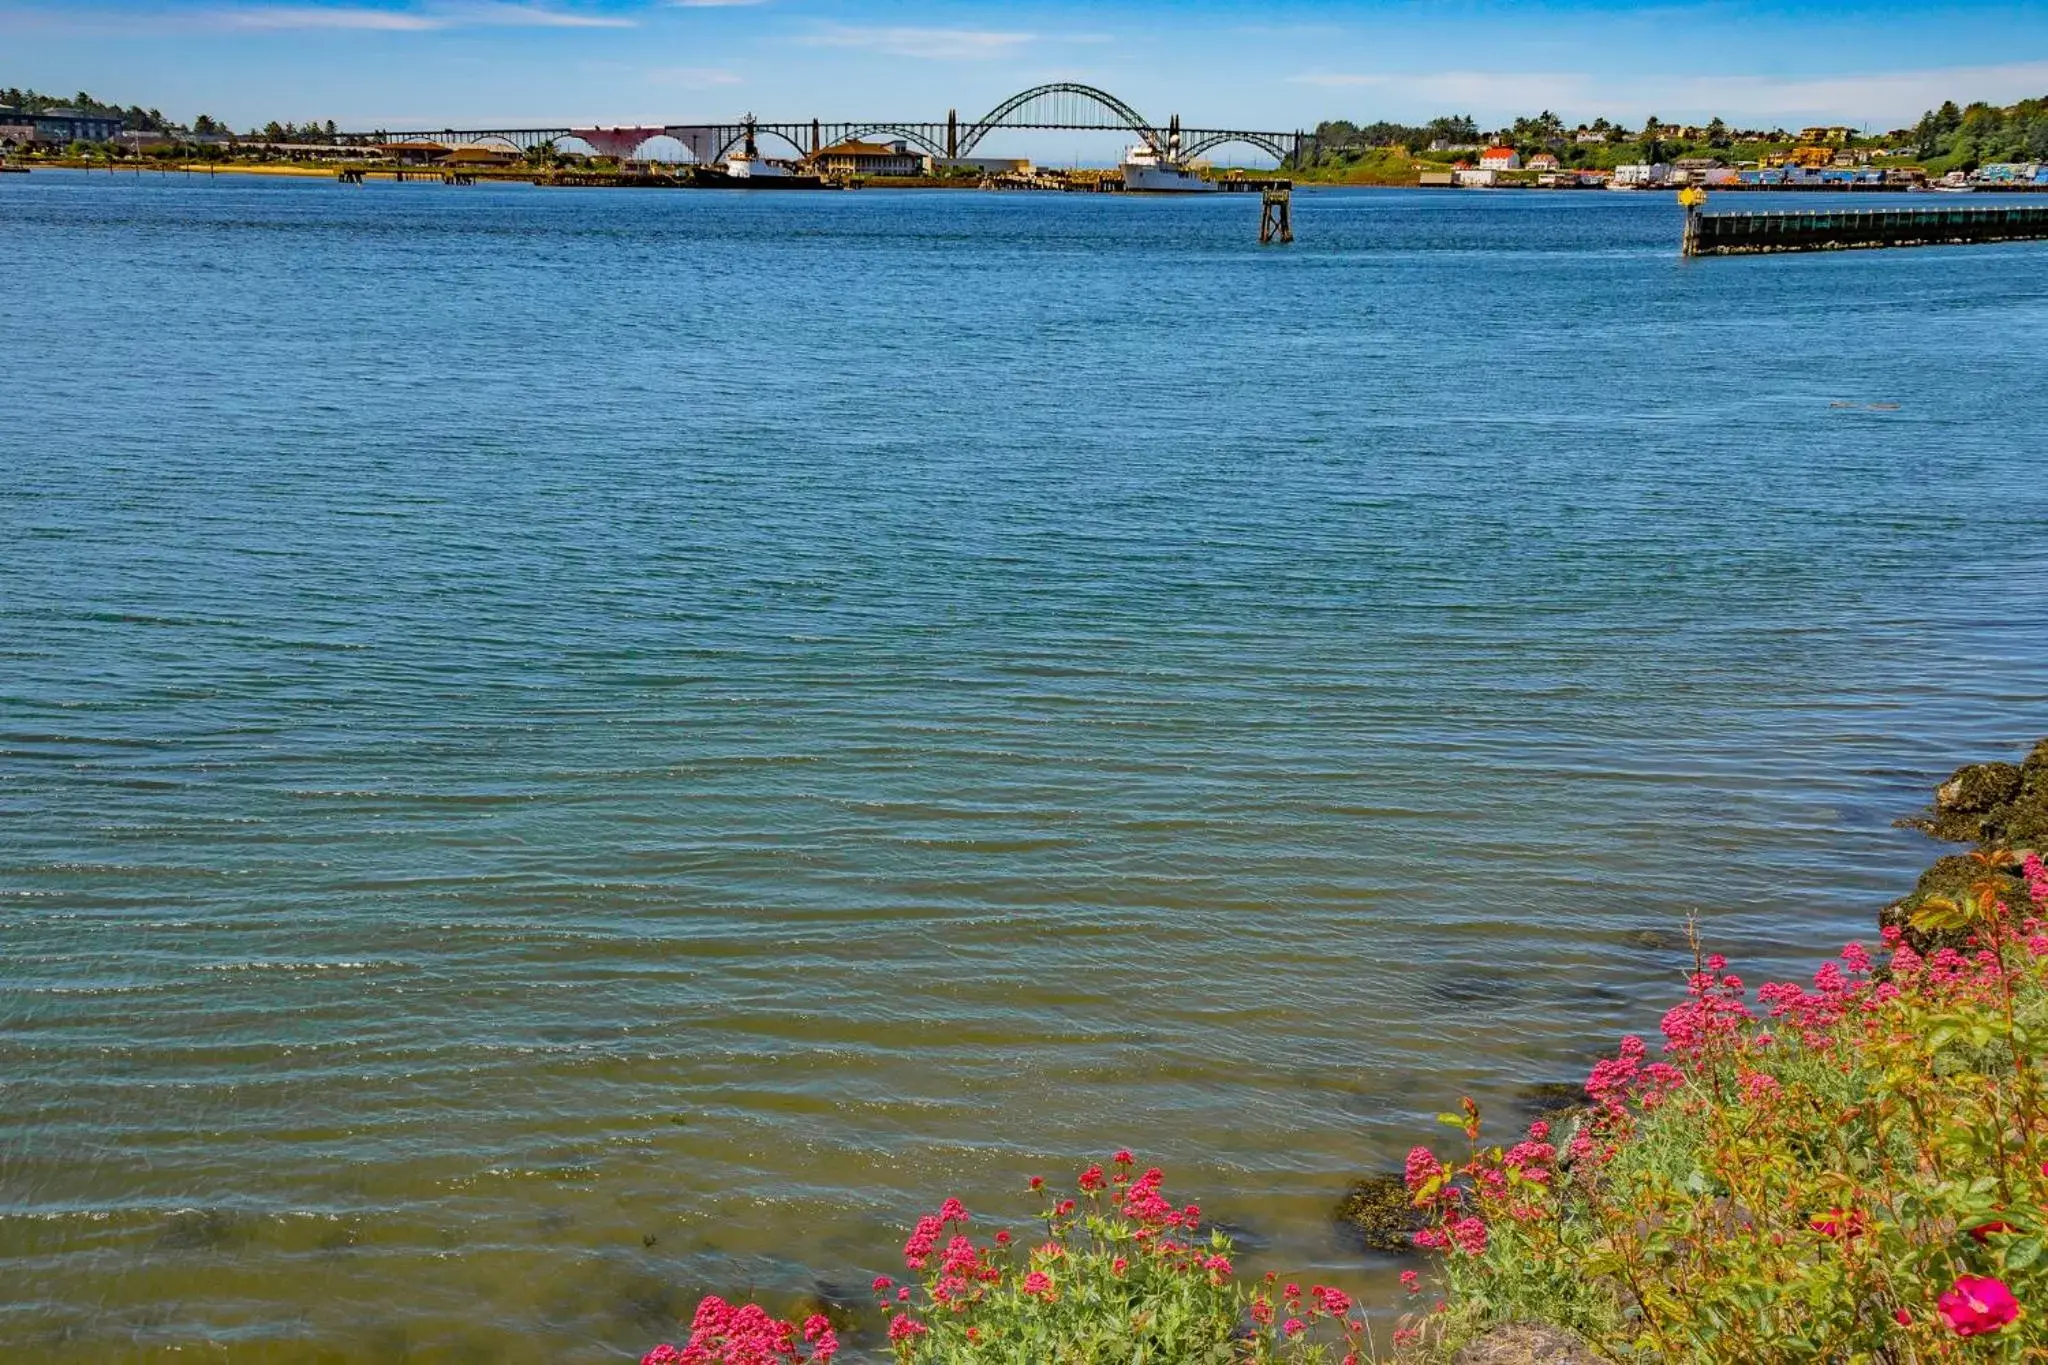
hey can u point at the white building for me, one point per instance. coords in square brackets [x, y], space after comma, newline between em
[1642, 176]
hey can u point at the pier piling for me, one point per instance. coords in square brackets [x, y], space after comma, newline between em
[1276, 217]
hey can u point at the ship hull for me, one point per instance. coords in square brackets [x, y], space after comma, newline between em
[708, 178]
[1165, 180]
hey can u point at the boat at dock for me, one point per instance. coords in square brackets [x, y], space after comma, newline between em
[1147, 170]
[747, 169]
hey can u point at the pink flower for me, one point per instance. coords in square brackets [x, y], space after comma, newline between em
[663, 1354]
[1982, 1232]
[1217, 1265]
[1037, 1182]
[818, 1332]
[1978, 1304]
[1422, 1168]
[1003, 1238]
[1293, 1327]
[1119, 1265]
[952, 1212]
[1838, 1223]
[905, 1327]
[1902, 1317]
[883, 1282]
[1469, 1234]
[1092, 1179]
[1123, 1158]
[1038, 1283]
[1539, 1131]
[1411, 1282]
[1335, 1301]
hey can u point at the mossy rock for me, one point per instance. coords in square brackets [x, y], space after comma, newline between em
[1380, 1212]
[1993, 805]
[1526, 1343]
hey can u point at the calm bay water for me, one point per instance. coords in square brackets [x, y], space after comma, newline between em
[563, 749]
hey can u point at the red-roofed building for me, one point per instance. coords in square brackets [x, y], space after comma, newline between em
[1543, 161]
[1500, 159]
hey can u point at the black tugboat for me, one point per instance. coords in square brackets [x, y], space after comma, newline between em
[747, 169]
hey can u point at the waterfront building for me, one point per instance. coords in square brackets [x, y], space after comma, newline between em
[414, 153]
[1543, 161]
[55, 127]
[1642, 175]
[1500, 159]
[854, 157]
[987, 165]
[480, 158]
[1477, 177]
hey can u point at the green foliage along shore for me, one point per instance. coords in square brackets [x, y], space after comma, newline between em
[1853, 1170]
[1945, 139]
[1964, 139]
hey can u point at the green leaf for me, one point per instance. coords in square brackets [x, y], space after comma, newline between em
[2023, 1253]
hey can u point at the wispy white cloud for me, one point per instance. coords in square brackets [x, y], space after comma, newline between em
[1338, 80]
[1888, 98]
[694, 77]
[944, 44]
[1893, 97]
[506, 14]
[1289, 30]
[480, 13]
[326, 16]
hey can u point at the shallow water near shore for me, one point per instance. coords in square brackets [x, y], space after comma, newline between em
[563, 749]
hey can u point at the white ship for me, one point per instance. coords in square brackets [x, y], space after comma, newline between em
[747, 163]
[1145, 169]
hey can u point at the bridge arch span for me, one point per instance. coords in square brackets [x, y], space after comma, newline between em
[1270, 146]
[739, 139]
[916, 137]
[1067, 100]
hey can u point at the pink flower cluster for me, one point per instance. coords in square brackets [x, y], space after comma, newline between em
[747, 1334]
[925, 1236]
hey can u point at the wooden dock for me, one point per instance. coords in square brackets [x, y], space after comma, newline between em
[1746, 234]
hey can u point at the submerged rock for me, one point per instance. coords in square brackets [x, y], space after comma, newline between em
[1379, 1211]
[1526, 1343]
[1551, 1101]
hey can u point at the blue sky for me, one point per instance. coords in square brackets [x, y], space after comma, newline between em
[393, 63]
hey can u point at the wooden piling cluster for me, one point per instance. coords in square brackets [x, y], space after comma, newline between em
[1743, 234]
[1276, 217]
